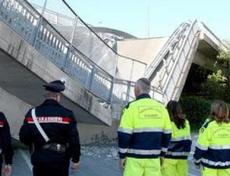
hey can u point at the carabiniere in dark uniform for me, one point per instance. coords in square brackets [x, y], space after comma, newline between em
[5, 144]
[59, 124]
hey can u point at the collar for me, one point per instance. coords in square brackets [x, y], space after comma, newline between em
[50, 101]
[143, 96]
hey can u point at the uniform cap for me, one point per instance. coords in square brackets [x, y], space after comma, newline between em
[55, 86]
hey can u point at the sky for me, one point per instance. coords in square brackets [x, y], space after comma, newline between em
[151, 18]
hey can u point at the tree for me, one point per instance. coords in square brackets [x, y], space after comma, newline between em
[223, 63]
[217, 85]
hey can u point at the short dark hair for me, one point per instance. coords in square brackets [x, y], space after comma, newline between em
[144, 84]
[49, 94]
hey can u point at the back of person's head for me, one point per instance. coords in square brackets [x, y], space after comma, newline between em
[54, 89]
[142, 86]
[176, 114]
[220, 111]
[52, 95]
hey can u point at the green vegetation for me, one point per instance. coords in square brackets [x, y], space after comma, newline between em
[217, 85]
[197, 110]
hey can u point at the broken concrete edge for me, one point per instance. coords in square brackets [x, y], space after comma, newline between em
[31, 59]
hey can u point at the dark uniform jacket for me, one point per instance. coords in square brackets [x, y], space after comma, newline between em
[5, 140]
[60, 126]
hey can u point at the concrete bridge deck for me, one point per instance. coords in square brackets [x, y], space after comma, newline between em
[23, 71]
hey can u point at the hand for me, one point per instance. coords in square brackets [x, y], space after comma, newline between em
[75, 166]
[7, 170]
[122, 163]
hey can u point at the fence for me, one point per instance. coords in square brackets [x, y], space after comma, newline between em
[60, 50]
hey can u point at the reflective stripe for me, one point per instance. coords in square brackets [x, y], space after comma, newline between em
[125, 130]
[213, 163]
[62, 120]
[40, 129]
[205, 123]
[177, 139]
[167, 131]
[140, 130]
[123, 150]
[178, 153]
[164, 149]
[144, 152]
[197, 161]
[1, 124]
[219, 147]
[201, 147]
[140, 152]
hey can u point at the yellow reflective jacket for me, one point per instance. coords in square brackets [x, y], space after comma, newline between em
[145, 129]
[213, 146]
[180, 143]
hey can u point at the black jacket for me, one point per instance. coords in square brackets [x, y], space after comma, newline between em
[5, 139]
[60, 126]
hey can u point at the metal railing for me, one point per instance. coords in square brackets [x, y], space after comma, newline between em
[37, 31]
[83, 37]
[171, 62]
[123, 92]
[176, 77]
[172, 42]
[25, 20]
[159, 71]
[169, 69]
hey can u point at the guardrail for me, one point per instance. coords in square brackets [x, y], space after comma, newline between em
[171, 65]
[152, 68]
[84, 38]
[178, 72]
[123, 92]
[36, 30]
[167, 70]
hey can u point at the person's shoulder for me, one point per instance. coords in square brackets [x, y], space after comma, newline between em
[160, 106]
[28, 113]
[150, 101]
[155, 102]
[66, 110]
[129, 104]
[212, 123]
[2, 115]
[187, 122]
[207, 124]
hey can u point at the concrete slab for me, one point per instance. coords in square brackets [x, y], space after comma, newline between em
[23, 71]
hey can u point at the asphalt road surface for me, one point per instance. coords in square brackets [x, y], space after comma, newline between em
[91, 165]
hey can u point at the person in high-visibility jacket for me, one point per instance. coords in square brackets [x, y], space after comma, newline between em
[144, 133]
[213, 146]
[175, 162]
